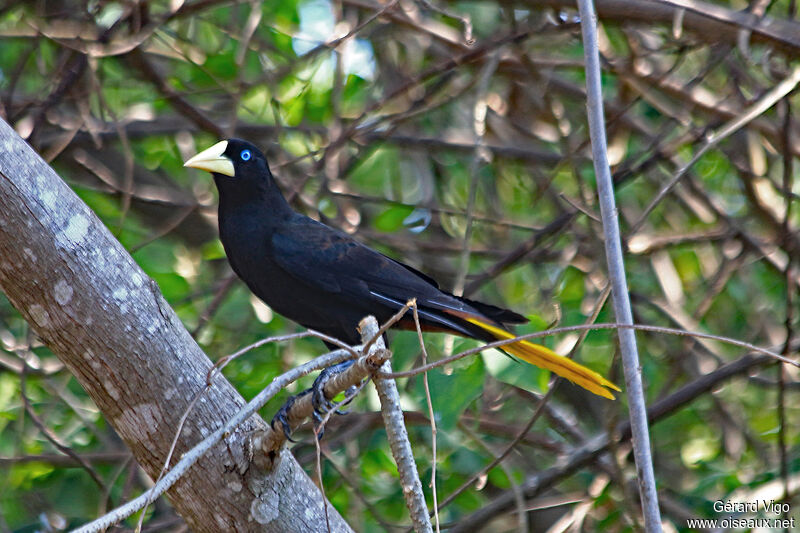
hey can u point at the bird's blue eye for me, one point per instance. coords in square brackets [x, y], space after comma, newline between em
[245, 155]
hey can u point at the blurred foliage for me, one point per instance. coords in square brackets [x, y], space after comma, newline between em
[387, 133]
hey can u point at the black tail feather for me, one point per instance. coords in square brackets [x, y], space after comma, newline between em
[498, 314]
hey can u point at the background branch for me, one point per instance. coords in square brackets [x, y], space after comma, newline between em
[616, 272]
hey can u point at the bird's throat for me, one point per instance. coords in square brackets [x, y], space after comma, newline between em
[263, 197]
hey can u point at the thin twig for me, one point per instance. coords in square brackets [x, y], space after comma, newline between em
[581, 327]
[52, 437]
[788, 168]
[317, 435]
[519, 497]
[430, 416]
[463, 19]
[732, 126]
[479, 112]
[320, 482]
[219, 296]
[222, 362]
[271, 439]
[389, 323]
[349, 476]
[555, 227]
[174, 444]
[599, 444]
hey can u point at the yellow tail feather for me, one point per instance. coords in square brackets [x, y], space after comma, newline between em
[538, 355]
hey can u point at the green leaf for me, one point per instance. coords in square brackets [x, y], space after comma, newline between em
[451, 394]
[572, 286]
[499, 478]
[257, 104]
[392, 219]
[213, 250]
[518, 373]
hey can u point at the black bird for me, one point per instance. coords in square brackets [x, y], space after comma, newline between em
[325, 280]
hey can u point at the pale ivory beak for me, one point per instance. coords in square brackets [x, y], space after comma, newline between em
[213, 160]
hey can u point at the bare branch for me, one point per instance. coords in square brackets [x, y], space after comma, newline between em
[396, 432]
[616, 271]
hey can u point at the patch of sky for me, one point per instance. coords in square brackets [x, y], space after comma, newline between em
[318, 26]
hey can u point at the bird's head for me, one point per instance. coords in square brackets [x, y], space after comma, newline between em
[242, 176]
[232, 159]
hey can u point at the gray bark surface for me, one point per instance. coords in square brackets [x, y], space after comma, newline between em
[107, 321]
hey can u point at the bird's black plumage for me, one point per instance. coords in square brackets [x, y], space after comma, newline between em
[313, 274]
[326, 280]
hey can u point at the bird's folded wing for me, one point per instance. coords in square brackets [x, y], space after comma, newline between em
[309, 258]
[335, 262]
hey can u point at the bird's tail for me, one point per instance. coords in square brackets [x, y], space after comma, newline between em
[538, 355]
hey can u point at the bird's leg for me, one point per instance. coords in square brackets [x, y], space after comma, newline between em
[282, 416]
[320, 402]
[318, 399]
[322, 405]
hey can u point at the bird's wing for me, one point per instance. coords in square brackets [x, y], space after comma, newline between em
[334, 262]
[337, 265]
[310, 255]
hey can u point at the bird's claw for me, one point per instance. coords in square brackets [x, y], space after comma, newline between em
[322, 405]
[318, 399]
[282, 416]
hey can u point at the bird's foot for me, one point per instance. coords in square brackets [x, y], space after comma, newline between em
[322, 405]
[318, 399]
[282, 416]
